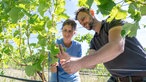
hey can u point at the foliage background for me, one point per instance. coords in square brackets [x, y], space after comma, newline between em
[20, 20]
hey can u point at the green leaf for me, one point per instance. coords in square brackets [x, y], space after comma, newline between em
[130, 29]
[33, 18]
[29, 70]
[0, 55]
[41, 9]
[42, 40]
[52, 59]
[33, 44]
[16, 14]
[135, 13]
[64, 16]
[16, 33]
[137, 16]
[1, 29]
[43, 57]
[26, 12]
[131, 9]
[37, 66]
[113, 13]
[143, 10]
[43, 6]
[6, 50]
[53, 52]
[134, 29]
[101, 2]
[89, 2]
[126, 29]
[24, 1]
[123, 33]
[49, 24]
[105, 6]
[122, 14]
[117, 13]
[83, 3]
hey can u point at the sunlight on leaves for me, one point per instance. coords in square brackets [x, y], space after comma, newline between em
[122, 14]
[82, 3]
[117, 13]
[53, 30]
[113, 13]
[17, 41]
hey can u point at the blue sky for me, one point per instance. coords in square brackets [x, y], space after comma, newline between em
[71, 7]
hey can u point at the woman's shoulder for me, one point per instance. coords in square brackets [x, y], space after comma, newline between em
[76, 43]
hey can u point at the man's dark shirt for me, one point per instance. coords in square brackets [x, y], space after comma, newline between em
[132, 62]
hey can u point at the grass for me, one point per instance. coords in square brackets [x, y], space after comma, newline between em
[85, 76]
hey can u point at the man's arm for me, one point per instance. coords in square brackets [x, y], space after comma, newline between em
[91, 52]
[108, 52]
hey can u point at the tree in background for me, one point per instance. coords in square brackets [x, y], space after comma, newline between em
[27, 33]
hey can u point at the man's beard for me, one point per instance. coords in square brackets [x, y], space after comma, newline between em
[91, 24]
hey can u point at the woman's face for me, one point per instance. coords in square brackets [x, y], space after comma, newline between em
[68, 32]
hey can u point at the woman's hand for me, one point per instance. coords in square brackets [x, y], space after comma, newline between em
[63, 54]
[53, 67]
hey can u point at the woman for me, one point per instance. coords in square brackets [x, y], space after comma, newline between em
[72, 47]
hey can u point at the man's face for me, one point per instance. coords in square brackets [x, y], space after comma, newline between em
[85, 20]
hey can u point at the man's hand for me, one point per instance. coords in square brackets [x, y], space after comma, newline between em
[71, 66]
[65, 60]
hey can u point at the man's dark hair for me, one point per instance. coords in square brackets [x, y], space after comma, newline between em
[82, 9]
[70, 22]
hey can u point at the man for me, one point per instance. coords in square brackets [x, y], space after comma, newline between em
[124, 58]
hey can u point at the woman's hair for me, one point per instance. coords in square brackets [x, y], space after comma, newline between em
[70, 22]
[82, 9]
